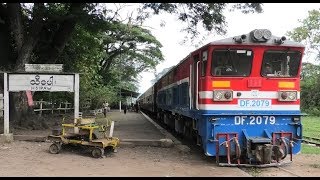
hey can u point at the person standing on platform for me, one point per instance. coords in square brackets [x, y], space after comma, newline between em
[105, 108]
[125, 109]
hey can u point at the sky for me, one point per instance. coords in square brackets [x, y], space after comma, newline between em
[277, 17]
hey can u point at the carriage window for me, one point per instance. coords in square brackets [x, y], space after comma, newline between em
[231, 62]
[280, 63]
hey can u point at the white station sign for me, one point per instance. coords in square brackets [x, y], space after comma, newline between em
[41, 82]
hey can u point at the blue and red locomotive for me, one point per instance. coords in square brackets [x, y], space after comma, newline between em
[238, 97]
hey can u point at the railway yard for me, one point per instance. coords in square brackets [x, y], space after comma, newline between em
[109, 90]
[133, 158]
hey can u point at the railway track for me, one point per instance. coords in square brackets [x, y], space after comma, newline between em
[311, 140]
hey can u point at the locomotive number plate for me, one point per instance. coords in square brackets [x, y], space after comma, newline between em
[254, 103]
[254, 120]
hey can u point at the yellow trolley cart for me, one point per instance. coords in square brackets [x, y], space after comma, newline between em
[85, 137]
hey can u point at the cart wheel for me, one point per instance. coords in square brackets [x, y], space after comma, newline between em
[55, 148]
[97, 152]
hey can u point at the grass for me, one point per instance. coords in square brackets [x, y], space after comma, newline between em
[253, 171]
[311, 128]
[307, 149]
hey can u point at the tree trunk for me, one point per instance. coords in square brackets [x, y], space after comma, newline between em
[16, 26]
[19, 110]
[33, 37]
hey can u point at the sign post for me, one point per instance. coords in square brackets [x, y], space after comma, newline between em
[76, 101]
[6, 136]
[6, 105]
[52, 82]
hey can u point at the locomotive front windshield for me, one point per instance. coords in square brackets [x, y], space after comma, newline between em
[231, 62]
[280, 63]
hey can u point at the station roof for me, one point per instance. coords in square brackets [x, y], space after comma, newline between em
[125, 92]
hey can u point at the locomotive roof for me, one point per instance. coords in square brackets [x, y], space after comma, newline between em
[250, 41]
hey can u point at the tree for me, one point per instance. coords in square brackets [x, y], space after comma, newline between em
[129, 47]
[52, 32]
[209, 15]
[60, 19]
[309, 33]
[309, 88]
[25, 25]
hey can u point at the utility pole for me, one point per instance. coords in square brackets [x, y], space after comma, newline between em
[120, 101]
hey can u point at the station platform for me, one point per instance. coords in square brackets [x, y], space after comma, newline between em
[133, 125]
[132, 128]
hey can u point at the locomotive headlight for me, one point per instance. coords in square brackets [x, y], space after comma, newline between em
[257, 34]
[218, 95]
[227, 95]
[292, 95]
[266, 34]
[284, 95]
[222, 95]
[260, 35]
[287, 96]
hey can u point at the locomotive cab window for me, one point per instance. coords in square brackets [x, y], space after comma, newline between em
[231, 62]
[280, 63]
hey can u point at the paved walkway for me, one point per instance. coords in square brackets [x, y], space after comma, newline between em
[133, 125]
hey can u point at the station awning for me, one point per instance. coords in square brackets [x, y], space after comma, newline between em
[128, 93]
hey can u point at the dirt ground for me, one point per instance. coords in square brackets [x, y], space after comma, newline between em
[21, 158]
[33, 159]
[304, 165]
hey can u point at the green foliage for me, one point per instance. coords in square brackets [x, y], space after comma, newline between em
[309, 32]
[97, 96]
[88, 50]
[311, 126]
[128, 47]
[253, 171]
[209, 15]
[310, 95]
[307, 149]
[57, 97]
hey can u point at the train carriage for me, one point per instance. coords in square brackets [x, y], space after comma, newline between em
[238, 97]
